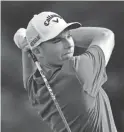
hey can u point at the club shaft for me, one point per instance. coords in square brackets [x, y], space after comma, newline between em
[50, 91]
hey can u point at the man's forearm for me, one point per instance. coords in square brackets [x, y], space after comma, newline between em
[27, 65]
[84, 36]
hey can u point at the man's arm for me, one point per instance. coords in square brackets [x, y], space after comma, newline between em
[28, 67]
[102, 37]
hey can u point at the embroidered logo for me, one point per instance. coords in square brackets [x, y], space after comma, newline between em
[49, 17]
[56, 20]
[34, 41]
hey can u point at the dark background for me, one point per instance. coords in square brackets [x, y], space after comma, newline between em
[17, 113]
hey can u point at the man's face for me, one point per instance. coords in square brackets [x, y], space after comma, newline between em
[59, 49]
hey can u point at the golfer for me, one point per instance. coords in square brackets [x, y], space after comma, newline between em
[76, 81]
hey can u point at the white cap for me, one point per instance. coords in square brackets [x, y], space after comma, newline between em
[46, 26]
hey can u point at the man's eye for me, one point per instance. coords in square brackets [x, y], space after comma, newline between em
[57, 40]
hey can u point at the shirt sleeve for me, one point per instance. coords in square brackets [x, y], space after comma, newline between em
[90, 68]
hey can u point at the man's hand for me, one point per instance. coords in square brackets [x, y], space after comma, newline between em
[20, 39]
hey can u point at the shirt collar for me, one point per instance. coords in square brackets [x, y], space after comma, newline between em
[48, 71]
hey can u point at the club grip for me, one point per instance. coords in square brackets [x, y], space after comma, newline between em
[32, 55]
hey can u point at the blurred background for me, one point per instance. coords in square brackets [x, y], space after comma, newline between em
[17, 114]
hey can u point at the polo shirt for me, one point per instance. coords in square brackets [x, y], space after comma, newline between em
[77, 86]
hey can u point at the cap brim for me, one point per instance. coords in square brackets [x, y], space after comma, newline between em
[73, 25]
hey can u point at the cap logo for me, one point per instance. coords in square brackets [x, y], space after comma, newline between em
[49, 17]
[56, 20]
[34, 41]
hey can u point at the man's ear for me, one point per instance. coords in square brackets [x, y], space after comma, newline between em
[38, 52]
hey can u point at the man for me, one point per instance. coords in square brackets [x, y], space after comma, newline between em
[75, 80]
